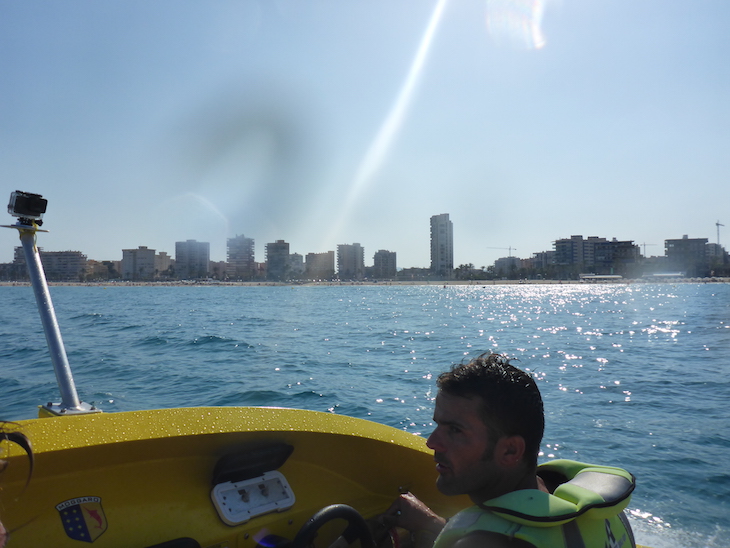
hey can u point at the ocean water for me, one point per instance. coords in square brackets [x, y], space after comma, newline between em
[636, 376]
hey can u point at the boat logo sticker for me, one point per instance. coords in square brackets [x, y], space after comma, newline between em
[83, 518]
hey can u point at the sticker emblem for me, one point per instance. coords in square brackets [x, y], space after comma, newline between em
[83, 518]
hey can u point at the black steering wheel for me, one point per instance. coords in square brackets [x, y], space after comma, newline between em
[356, 528]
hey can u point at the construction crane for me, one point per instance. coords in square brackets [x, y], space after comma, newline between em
[645, 247]
[718, 225]
[510, 248]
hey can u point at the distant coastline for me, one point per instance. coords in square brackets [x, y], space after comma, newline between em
[638, 281]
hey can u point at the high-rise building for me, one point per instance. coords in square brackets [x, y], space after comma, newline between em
[384, 266]
[277, 261]
[715, 252]
[597, 255]
[59, 266]
[138, 264]
[350, 261]
[296, 266]
[688, 255]
[616, 257]
[320, 266]
[163, 262]
[241, 264]
[442, 246]
[577, 251]
[191, 259]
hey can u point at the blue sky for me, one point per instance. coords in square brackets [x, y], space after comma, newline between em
[327, 122]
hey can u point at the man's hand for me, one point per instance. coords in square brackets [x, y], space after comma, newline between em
[410, 513]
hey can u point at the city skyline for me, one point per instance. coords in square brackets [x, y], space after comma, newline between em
[573, 258]
[327, 122]
[371, 255]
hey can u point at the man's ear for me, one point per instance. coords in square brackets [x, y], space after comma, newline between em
[510, 450]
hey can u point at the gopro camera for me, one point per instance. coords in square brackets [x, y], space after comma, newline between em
[26, 205]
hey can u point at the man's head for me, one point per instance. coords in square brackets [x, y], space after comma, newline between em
[490, 422]
[510, 400]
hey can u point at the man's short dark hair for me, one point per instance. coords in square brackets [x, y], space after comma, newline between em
[511, 401]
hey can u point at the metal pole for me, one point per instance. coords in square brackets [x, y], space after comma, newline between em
[70, 403]
[69, 396]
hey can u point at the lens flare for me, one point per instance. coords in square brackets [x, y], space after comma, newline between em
[197, 212]
[382, 143]
[516, 23]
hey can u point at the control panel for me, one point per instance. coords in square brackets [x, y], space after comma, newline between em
[239, 501]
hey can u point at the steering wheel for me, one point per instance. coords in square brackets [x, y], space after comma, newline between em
[356, 528]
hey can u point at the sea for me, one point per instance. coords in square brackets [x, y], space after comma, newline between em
[632, 375]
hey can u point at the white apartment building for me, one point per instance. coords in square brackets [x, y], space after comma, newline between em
[138, 264]
[442, 246]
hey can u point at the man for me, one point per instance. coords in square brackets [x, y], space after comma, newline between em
[489, 425]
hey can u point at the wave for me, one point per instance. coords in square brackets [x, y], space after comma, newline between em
[268, 398]
[213, 340]
[154, 340]
[653, 531]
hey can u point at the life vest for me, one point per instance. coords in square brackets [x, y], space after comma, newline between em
[586, 511]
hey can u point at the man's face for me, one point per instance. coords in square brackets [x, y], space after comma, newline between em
[462, 449]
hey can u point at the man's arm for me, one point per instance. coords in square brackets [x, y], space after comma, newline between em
[410, 513]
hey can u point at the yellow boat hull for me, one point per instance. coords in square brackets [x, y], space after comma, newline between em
[142, 478]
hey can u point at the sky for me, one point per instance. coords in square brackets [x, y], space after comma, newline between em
[325, 122]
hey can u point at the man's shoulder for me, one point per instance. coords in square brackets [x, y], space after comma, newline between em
[488, 539]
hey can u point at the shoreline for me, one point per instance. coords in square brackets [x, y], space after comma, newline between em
[121, 283]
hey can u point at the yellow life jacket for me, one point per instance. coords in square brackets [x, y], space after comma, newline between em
[586, 511]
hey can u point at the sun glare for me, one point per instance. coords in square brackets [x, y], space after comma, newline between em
[382, 142]
[516, 23]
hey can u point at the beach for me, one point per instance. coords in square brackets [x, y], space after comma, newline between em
[188, 283]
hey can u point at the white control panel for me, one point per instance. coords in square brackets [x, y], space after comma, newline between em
[238, 502]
